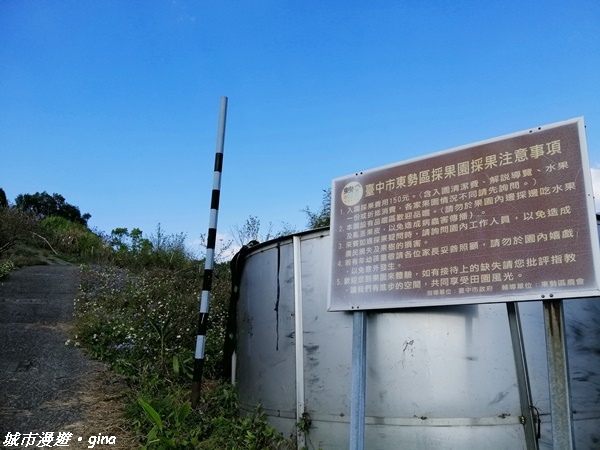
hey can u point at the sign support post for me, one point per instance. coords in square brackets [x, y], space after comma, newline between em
[558, 375]
[359, 378]
[522, 374]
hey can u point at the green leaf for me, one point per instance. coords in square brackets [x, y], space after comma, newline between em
[154, 325]
[151, 437]
[176, 365]
[183, 412]
[151, 413]
[168, 441]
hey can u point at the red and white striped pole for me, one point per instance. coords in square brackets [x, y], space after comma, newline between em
[210, 258]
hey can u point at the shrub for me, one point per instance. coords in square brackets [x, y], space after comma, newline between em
[147, 317]
[131, 249]
[168, 422]
[73, 239]
[43, 205]
[16, 226]
[143, 323]
[6, 267]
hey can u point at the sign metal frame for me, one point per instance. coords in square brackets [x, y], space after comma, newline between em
[553, 164]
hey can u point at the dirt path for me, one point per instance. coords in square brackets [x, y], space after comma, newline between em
[46, 386]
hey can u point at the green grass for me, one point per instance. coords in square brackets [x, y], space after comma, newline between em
[23, 255]
[142, 323]
[136, 310]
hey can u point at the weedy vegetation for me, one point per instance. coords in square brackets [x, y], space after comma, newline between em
[140, 316]
[136, 310]
[6, 267]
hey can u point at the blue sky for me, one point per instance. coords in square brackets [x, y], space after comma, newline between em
[114, 104]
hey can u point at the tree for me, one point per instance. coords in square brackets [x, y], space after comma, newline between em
[168, 250]
[45, 205]
[3, 200]
[15, 226]
[139, 244]
[250, 231]
[118, 239]
[321, 218]
[122, 240]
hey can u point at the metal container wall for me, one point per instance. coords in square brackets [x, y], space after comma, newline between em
[436, 377]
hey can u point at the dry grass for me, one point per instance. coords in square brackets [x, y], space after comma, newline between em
[102, 397]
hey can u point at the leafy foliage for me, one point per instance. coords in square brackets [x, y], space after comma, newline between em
[16, 227]
[250, 231]
[169, 422]
[6, 267]
[137, 309]
[3, 199]
[321, 218]
[142, 322]
[72, 239]
[131, 319]
[166, 437]
[132, 249]
[45, 205]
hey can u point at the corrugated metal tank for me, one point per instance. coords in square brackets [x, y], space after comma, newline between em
[440, 377]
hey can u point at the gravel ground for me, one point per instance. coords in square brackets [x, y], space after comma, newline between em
[47, 386]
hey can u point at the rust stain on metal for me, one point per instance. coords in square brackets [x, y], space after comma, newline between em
[552, 308]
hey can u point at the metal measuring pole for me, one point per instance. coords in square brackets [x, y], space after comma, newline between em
[210, 258]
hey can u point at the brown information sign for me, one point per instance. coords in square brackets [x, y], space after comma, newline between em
[508, 219]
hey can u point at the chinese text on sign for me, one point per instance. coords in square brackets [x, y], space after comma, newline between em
[502, 220]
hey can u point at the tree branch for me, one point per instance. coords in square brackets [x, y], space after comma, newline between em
[46, 241]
